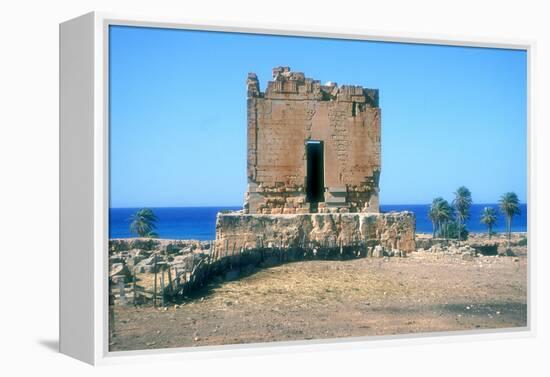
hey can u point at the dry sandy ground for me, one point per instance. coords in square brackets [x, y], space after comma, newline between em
[329, 299]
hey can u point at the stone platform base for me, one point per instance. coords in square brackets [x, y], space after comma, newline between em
[236, 231]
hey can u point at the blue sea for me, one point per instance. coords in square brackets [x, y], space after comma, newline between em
[200, 222]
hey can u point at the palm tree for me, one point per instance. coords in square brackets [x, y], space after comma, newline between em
[442, 213]
[143, 223]
[462, 203]
[489, 218]
[509, 206]
[445, 216]
[432, 214]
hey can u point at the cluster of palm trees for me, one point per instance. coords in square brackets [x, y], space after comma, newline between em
[509, 207]
[143, 223]
[443, 215]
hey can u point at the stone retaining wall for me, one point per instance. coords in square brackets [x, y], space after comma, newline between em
[236, 231]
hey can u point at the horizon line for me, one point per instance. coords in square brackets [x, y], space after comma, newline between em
[240, 206]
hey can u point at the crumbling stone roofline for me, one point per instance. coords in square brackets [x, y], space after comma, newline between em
[289, 85]
[284, 124]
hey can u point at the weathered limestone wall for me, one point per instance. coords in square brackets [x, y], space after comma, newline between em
[237, 231]
[295, 109]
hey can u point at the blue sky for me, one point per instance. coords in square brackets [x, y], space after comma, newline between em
[451, 116]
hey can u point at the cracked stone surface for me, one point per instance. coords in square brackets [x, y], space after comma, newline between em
[293, 110]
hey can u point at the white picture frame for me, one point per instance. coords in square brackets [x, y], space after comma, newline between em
[84, 190]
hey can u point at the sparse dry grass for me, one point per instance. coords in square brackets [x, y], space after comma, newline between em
[327, 299]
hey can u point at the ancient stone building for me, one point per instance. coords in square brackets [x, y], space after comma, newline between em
[313, 172]
[311, 147]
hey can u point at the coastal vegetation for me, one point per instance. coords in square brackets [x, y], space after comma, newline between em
[509, 206]
[440, 214]
[462, 203]
[489, 217]
[449, 221]
[143, 223]
[456, 231]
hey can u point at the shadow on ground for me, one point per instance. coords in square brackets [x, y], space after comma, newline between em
[52, 345]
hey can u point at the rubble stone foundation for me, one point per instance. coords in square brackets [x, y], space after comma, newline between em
[236, 231]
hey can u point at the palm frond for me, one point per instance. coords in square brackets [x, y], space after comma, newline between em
[143, 222]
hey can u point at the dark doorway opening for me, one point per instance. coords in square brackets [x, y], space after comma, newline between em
[315, 182]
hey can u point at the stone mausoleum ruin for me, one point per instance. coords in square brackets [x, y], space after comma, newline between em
[311, 147]
[313, 169]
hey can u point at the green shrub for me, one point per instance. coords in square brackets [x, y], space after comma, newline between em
[451, 231]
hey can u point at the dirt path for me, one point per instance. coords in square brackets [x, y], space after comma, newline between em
[327, 299]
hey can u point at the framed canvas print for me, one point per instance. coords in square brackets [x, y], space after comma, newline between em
[224, 186]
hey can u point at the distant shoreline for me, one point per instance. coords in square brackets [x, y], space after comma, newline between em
[200, 222]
